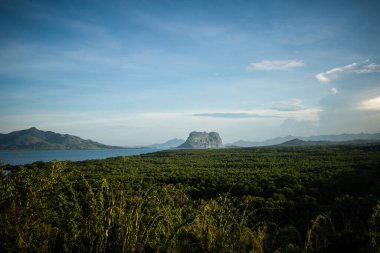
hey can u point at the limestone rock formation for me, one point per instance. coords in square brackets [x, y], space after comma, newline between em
[202, 140]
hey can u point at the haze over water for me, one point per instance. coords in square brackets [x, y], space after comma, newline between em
[25, 157]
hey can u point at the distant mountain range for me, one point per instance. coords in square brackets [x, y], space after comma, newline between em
[320, 139]
[34, 139]
[173, 143]
[298, 142]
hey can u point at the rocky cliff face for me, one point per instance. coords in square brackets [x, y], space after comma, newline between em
[201, 140]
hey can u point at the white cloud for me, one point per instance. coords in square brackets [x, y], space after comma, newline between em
[358, 68]
[275, 65]
[322, 78]
[334, 91]
[370, 68]
[370, 104]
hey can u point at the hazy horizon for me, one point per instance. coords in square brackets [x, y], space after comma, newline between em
[143, 72]
[230, 142]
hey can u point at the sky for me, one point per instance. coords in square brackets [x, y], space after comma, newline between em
[142, 72]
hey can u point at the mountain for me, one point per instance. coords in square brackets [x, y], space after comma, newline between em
[320, 139]
[268, 142]
[298, 142]
[202, 140]
[295, 142]
[173, 143]
[35, 139]
[344, 137]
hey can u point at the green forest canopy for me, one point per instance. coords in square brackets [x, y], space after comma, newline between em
[284, 199]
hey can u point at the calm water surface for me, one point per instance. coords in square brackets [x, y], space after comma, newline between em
[25, 157]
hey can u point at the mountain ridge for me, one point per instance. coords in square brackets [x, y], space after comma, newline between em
[172, 143]
[316, 138]
[298, 142]
[35, 139]
[295, 142]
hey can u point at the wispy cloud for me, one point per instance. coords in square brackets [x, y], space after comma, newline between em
[293, 109]
[370, 68]
[327, 76]
[357, 68]
[288, 105]
[40, 61]
[233, 115]
[334, 91]
[275, 65]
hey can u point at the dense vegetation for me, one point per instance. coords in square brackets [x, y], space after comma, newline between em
[275, 199]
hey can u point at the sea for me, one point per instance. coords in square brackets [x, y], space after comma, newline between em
[26, 157]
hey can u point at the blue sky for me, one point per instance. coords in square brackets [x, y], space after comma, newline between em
[142, 72]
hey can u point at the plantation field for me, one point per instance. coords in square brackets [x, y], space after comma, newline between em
[267, 199]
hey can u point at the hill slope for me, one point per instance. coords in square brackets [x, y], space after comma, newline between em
[35, 139]
[295, 142]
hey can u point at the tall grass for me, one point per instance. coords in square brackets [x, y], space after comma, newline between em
[58, 209]
[316, 235]
[374, 231]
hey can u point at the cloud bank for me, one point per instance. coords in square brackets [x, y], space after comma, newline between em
[371, 104]
[275, 65]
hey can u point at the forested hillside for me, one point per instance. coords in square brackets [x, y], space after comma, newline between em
[35, 139]
[274, 199]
